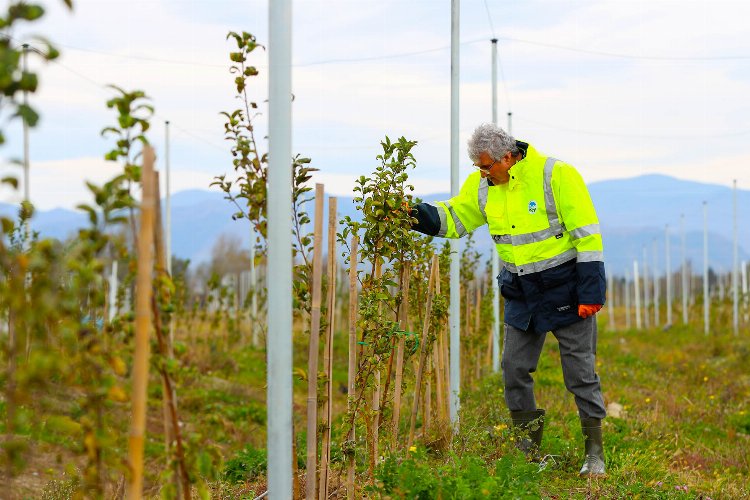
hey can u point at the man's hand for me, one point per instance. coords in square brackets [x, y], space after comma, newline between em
[586, 310]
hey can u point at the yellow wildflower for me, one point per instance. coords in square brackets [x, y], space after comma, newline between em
[501, 427]
[413, 449]
[648, 400]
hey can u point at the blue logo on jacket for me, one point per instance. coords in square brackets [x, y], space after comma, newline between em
[532, 207]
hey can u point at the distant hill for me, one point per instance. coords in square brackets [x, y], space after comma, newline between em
[633, 212]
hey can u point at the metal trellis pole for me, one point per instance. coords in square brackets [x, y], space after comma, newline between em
[279, 343]
[495, 255]
[655, 275]
[735, 258]
[628, 321]
[455, 293]
[684, 272]
[168, 200]
[646, 295]
[637, 294]
[706, 298]
[668, 259]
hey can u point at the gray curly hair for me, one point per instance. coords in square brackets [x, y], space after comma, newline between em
[492, 139]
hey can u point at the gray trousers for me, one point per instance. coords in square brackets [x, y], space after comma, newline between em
[521, 351]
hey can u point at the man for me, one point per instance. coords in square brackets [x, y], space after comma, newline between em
[545, 228]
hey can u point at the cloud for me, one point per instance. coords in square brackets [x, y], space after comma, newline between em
[612, 117]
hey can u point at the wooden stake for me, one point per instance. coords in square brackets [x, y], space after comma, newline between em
[428, 395]
[312, 365]
[422, 350]
[328, 351]
[142, 328]
[404, 326]
[352, 361]
[437, 370]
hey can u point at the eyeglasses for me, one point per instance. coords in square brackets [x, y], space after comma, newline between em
[486, 168]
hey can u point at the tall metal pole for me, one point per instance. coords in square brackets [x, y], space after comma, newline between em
[735, 263]
[706, 298]
[495, 255]
[610, 300]
[26, 160]
[655, 274]
[744, 290]
[279, 343]
[646, 296]
[684, 272]
[510, 122]
[113, 291]
[636, 285]
[628, 321]
[455, 294]
[26, 169]
[668, 259]
[168, 200]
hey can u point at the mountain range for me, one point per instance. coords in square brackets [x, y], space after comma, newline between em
[633, 215]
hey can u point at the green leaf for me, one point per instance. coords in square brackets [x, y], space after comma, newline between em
[28, 114]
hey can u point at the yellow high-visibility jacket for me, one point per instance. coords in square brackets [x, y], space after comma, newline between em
[546, 232]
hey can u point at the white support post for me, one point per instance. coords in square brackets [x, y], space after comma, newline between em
[744, 290]
[611, 300]
[455, 293]
[636, 284]
[628, 321]
[684, 272]
[113, 284]
[167, 200]
[668, 259]
[735, 259]
[495, 255]
[706, 297]
[646, 296]
[279, 338]
[26, 162]
[655, 274]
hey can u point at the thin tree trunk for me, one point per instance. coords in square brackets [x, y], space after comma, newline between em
[312, 366]
[328, 352]
[423, 349]
[403, 326]
[167, 399]
[352, 363]
[142, 328]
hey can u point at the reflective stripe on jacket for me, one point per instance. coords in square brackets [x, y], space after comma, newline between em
[546, 232]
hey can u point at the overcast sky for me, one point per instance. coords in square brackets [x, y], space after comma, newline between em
[618, 88]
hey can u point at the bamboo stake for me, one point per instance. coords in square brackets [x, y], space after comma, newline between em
[428, 396]
[403, 320]
[328, 351]
[352, 361]
[477, 317]
[312, 366]
[437, 370]
[142, 328]
[422, 350]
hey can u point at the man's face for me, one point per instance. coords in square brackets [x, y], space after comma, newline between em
[496, 170]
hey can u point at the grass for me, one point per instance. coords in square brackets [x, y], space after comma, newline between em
[683, 430]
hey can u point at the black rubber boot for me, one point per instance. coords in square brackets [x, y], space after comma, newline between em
[593, 464]
[533, 423]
